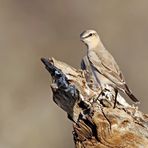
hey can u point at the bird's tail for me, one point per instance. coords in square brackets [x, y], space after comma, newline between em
[129, 93]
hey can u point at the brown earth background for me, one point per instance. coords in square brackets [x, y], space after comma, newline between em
[31, 29]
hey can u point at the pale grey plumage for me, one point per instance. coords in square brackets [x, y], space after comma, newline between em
[104, 66]
[89, 73]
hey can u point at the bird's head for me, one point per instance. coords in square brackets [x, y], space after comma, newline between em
[90, 38]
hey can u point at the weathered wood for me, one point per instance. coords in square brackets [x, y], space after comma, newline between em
[96, 124]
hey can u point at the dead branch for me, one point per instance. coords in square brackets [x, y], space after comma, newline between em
[96, 124]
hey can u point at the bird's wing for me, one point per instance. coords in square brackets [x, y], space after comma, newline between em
[103, 68]
[83, 63]
[109, 62]
[114, 70]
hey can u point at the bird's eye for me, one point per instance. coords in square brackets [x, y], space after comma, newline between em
[90, 34]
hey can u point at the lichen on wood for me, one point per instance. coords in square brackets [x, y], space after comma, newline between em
[96, 123]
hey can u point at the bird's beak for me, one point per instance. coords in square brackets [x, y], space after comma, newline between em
[82, 36]
[81, 39]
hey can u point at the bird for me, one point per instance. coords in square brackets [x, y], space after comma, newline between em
[103, 65]
[90, 79]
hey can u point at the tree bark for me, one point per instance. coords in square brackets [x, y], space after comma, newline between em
[96, 123]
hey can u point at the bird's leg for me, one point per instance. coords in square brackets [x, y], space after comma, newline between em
[103, 90]
[97, 98]
[116, 93]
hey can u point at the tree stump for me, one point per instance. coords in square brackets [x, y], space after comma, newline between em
[96, 123]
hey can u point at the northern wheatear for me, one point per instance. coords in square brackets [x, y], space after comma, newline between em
[104, 66]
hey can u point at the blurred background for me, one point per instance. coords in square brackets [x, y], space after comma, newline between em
[32, 29]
